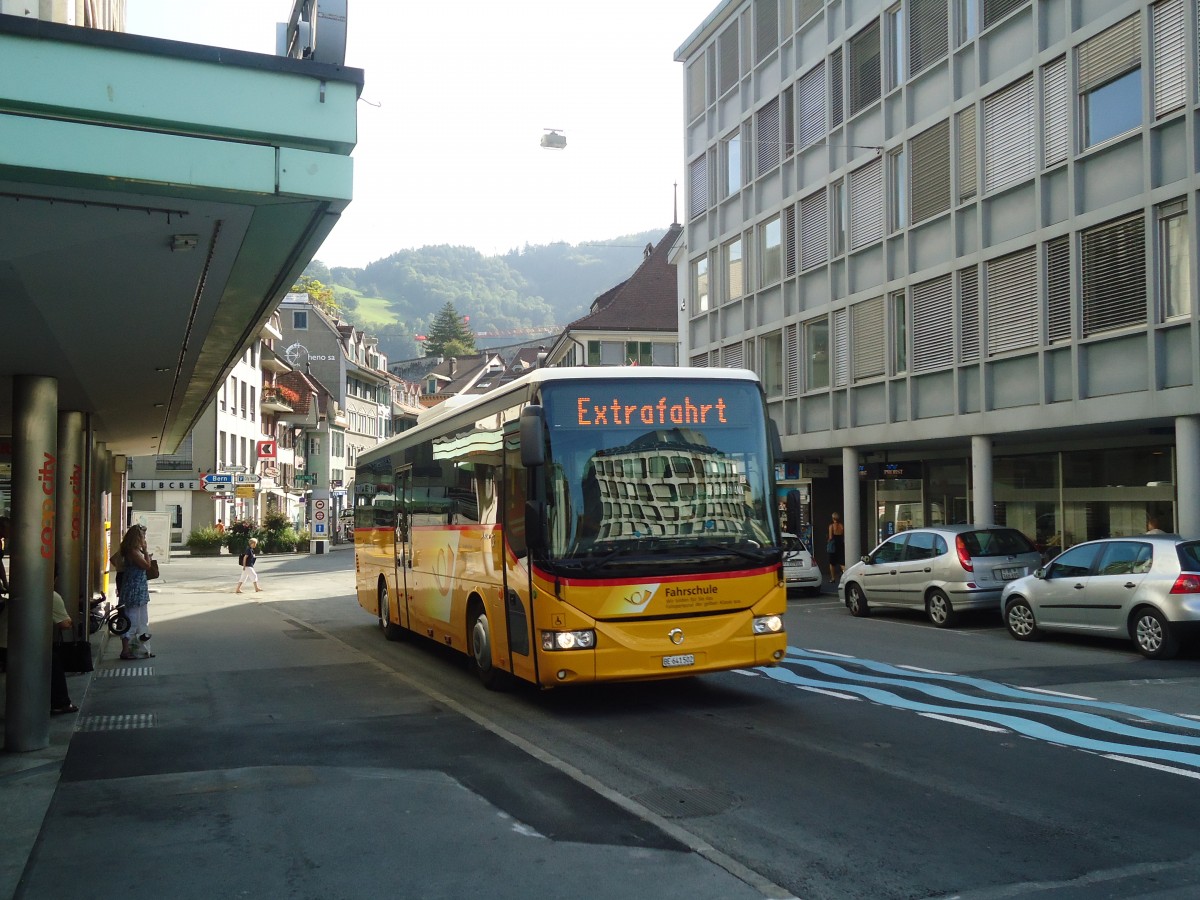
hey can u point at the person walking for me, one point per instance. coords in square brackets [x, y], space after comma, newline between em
[133, 593]
[248, 574]
[835, 547]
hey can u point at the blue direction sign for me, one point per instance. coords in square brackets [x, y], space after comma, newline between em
[218, 479]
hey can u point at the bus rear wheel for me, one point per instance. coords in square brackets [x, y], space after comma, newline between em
[391, 630]
[481, 650]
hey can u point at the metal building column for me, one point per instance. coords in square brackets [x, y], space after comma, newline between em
[34, 483]
[1187, 476]
[851, 519]
[70, 538]
[982, 498]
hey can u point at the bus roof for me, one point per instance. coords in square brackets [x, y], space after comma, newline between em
[465, 404]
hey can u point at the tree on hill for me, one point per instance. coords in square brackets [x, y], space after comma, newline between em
[449, 334]
[320, 295]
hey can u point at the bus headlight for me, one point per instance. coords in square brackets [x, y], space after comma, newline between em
[569, 640]
[768, 624]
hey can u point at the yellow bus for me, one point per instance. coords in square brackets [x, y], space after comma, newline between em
[581, 524]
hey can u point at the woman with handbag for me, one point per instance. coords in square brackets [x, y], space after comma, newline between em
[60, 696]
[836, 547]
[133, 592]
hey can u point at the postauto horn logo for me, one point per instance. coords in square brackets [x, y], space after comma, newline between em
[639, 597]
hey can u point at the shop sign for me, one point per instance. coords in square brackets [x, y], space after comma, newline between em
[192, 484]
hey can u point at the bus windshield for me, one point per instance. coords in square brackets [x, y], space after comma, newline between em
[670, 470]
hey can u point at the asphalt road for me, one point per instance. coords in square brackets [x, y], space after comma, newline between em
[886, 758]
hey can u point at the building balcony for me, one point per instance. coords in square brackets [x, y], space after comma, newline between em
[273, 400]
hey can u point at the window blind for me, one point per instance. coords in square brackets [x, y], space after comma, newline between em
[1055, 129]
[1112, 52]
[1058, 289]
[865, 83]
[929, 33]
[1170, 63]
[1114, 275]
[841, 347]
[867, 338]
[967, 168]
[933, 324]
[791, 360]
[698, 186]
[1012, 301]
[812, 107]
[1008, 136]
[766, 28]
[814, 230]
[766, 127]
[931, 171]
[968, 315]
[866, 204]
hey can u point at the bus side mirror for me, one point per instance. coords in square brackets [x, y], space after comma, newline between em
[533, 437]
[535, 527]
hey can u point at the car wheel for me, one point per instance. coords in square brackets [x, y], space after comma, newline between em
[856, 601]
[1020, 621]
[937, 606]
[1153, 634]
[390, 629]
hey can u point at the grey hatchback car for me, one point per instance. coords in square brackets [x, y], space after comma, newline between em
[941, 570]
[1144, 588]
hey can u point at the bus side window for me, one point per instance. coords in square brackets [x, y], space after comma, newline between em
[514, 505]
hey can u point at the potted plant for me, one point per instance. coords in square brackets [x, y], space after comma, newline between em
[205, 541]
[237, 536]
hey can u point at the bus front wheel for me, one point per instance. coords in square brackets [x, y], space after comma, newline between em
[391, 630]
[481, 650]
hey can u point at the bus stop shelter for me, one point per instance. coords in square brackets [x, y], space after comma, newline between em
[157, 200]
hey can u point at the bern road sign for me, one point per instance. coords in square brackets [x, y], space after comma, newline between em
[217, 479]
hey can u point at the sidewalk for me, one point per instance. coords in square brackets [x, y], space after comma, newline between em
[258, 756]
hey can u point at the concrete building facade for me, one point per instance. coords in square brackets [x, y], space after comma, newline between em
[956, 241]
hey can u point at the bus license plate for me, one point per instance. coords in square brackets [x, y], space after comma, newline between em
[684, 659]
[1010, 574]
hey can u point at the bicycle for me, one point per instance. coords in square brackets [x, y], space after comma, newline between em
[101, 612]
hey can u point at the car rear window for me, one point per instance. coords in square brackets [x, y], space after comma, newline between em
[1189, 556]
[996, 542]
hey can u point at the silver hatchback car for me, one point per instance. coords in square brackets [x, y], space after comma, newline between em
[1144, 588]
[940, 570]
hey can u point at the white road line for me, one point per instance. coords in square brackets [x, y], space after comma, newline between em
[954, 720]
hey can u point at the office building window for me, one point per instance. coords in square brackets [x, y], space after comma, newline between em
[812, 107]
[791, 360]
[698, 186]
[838, 213]
[816, 355]
[663, 354]
[808, 9]
[695, 89]
[968, 315]
[1169, 46]
[221, 450]
[253, 402]
[1012, 301]
[770, 252]
[1174, 260]
[933, 324]
[766, 28]
[766, 145]
[735, 273]
[836, 91]
[928, 34]
[770, 368]
[865, 84]
[700, 285]
[867, 339]
[967, 167]
[897, 189]
[995, 10]
[789, 242]
[841, 347]
[1058, 289]
[899, 332]
[1055, 129]
[814, 230]
[1113, 259]
[1009, 147]
[731, 163]
[787, 121]
[1110, 82]
[866, 204]
[727, 58]
[896, 41]
[931, 172]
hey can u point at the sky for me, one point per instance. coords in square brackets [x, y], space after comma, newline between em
[456, 99]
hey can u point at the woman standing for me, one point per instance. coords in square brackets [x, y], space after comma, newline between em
[248, 573]
[836, 547]
[133, 593]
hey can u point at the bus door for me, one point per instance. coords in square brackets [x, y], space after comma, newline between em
[403, 544]
[511, 547]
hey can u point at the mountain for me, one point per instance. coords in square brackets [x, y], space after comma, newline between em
[512, 297]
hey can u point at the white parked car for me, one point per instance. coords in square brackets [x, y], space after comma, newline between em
[799, 569]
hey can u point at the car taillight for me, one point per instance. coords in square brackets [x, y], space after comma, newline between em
[1186, 583]
[964, 556]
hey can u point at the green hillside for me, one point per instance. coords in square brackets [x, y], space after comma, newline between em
[509, 296]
